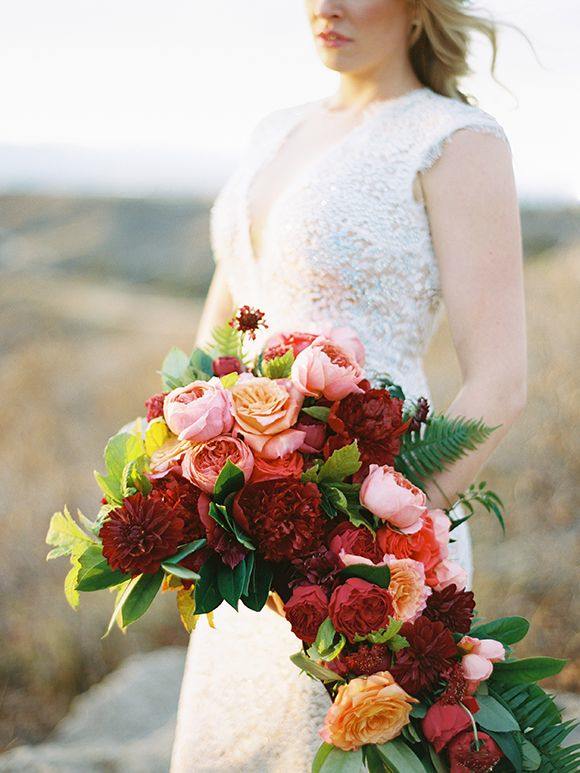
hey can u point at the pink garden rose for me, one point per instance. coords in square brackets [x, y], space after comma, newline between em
[479, 657]
[199, 411]
[450, 573]
[203, 463]
[265, 412]
[324, 369]
[392, 498]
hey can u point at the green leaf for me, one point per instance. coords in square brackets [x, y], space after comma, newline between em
[249, 561]
[526, 670]
[339, 761]
[120, 450]
[66, 535]
[321, 755]
[419, 710]
[140, 597]
[230, 480]
[180, 571]
[507, 630]
[110, 487]
[304, 663]
[185, 551]
[443, 441]
[70, 581]
[378, 575]
[493, 716]
[95, 573]
[532, 759]
[398, 643]
[207, 594]
[383, 634]
[436, 761]
[399, 757]
[325, 645]
[123, 592]
[510, 747]
[343, 462]
[278, 367]
[173, 368]
[373, 759]
[231, 582]
[311, 474]
[318, 412]
[259, 586]
[200, 365]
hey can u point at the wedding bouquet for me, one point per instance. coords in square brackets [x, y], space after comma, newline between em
[287, 475]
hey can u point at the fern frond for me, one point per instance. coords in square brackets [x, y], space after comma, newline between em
[442, 441]
[541, 724]
[225, 341]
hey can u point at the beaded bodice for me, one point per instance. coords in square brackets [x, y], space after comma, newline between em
[347, 242]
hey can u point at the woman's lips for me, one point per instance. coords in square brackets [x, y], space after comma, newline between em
[333, 39]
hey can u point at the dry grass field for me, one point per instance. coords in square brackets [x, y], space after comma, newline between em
[79, 357]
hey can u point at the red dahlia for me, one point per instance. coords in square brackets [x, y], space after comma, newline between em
[451, 607]
[140, 534]
[154, 405]
[178, 493]
[283, 515]
[431, 650]
[375, 420]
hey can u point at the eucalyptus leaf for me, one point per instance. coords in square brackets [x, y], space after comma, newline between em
[339, 761]
[321, 755]
[493, 716]
[174, 366]
[399, 757]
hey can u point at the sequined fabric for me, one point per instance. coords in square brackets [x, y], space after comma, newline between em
[346, 242]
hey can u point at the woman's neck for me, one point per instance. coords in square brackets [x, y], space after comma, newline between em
[356, 90]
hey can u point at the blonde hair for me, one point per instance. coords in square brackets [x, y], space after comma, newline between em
[440, 43]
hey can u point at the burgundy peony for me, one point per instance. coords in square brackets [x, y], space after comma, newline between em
[154, 405]
[431, 650]
[359, 607]
[306, 610]
[443, 722]
[141, 534]
[186, 499]
[318, 568]
[451, 607]
[354, 540]
[465, 758]
[283, 515]
[375, 420]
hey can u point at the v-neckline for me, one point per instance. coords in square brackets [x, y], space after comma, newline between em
[370, 110]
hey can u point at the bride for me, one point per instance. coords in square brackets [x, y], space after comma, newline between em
[368, 209]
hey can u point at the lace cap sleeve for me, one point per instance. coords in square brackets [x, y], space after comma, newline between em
[459, 117]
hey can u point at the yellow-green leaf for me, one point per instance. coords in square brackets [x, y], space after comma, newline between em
[157, 433]
[186, 609]
[64, 532]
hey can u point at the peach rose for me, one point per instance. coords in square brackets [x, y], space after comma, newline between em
[392, 498]
[371, 709]
[480, 655]
[289, 466]
[167, 457]
[326, 369]
[265, 410]
[199, 411]
[203, 463]
[407, 588]
[450, 573]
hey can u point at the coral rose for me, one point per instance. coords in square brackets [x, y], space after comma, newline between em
[296, 341]
[265, 410]
[367, 710]
[443, 722]
[392, 498]
[306, 610]
[199, 411]
[324, 369]
[289, 466]
[203, 463]
[359, 607]
[407, 588]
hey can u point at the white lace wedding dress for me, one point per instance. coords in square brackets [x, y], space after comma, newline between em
[346, 242]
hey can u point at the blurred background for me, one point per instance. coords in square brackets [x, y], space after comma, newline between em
[120, 120]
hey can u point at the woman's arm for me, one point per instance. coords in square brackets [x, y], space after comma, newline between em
[218, 307]
[474, 217]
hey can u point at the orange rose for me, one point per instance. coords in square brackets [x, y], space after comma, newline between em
[264, 411]
[371, 709]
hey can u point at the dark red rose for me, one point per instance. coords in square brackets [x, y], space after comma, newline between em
[431, 650]
[451, 607]
[359, 607]
[364, 661]
[464, 757]
[355, 540]
[283, 515]
[186, 499]
[154, 405]
[222, 366]
[375, 420]
[223, 542]
[319, 568]
[306, 610]
[140, 534]
[443, 722]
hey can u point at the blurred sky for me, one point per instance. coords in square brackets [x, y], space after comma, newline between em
[155, 96]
